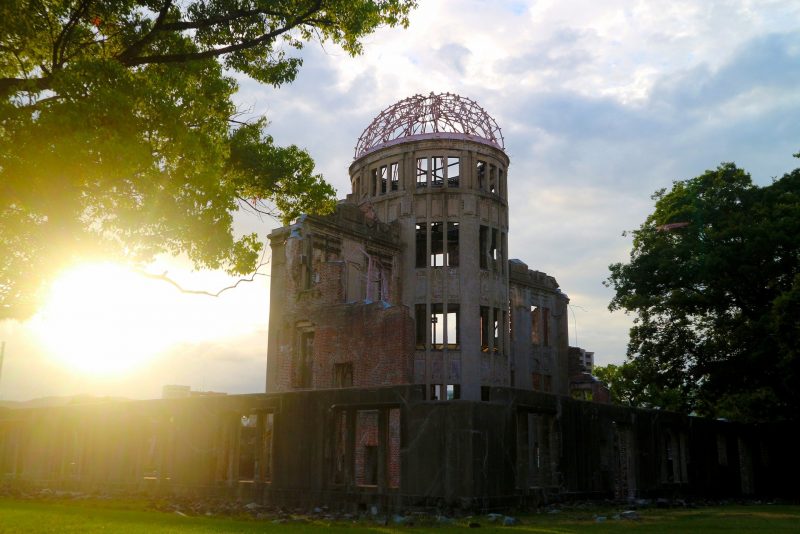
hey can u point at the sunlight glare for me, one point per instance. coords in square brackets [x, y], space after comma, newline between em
[104, 319]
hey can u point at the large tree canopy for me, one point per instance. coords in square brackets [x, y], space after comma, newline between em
[118, 135]
[714, 281]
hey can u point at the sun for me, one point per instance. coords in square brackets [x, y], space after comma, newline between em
[104, 319]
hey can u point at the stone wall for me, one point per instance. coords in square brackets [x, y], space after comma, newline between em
[389, 447]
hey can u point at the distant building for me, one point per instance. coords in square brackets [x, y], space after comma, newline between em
[582, 384]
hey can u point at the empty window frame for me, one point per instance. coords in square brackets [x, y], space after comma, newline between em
[437, 171]
[437, 244]
[374, 182]
[384, 177]
[394, 176]
[265, 464]
[445, 331]
[453, 171]
[248, 443]
[422, 245]
[484, 318]
[305, 358]
[421, 319]
[422, 172]
[497, 329]
[480, 173]
[492, 179]
[500, 181]
[452, 244]
[494, 248]
[536, 381]
[343, 375]
[547, 383]
[536, 325]
[366, 448]
[453, 391]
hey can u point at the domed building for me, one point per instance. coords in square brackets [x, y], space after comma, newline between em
[409, 282]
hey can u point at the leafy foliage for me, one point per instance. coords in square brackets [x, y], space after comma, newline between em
[117, 130]
[714, 280]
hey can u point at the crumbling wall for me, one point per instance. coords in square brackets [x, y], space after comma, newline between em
[389, 447]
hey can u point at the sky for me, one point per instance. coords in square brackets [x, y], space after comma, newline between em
[600, 104]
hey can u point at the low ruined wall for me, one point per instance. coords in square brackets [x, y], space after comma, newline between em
[389, 447]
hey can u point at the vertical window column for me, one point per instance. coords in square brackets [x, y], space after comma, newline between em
[394, 176]
[422, 172]
[453, 172]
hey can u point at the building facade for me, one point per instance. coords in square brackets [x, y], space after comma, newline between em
[410, 282]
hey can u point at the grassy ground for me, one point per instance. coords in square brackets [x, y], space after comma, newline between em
[35, 516]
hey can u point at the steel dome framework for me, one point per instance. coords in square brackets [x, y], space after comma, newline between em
[435, 115]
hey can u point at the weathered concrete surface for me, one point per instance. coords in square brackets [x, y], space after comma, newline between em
[306, 448]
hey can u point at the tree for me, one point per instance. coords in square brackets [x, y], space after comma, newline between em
[633, 384]
[714, 281]
[119, 138]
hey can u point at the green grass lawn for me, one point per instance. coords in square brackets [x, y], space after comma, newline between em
[119, 516]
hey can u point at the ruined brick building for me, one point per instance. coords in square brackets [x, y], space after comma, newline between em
[410, 364]
[410, 281]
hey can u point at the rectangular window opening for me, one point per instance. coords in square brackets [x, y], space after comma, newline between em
[374, 182]
[497, 328]
[366, 453]
[394, 175]
[493, 255]
[480, 172]
[421, 319]
[492, 179]
[437, 176]
[547, 383]
[305, 359]
[485, 394]
[453, 391]
[384, 179]
[247, 447]
[437, 244]
[422, 245]
[536, 335]
[452, 244]
[343, 375]
[453, 171]
[444, 326]
[536, 381]
[422, 172]
[484, 311]
[500, 182]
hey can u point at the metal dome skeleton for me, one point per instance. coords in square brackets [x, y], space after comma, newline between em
[433, 116]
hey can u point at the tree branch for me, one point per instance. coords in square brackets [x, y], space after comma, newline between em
[137, 47]
[60, 44]
[221, 19]
[215, 52]
[164, 278]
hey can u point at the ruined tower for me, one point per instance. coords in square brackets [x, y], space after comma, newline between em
[435, 166]
[409, 282]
